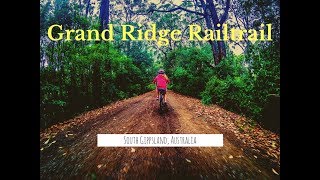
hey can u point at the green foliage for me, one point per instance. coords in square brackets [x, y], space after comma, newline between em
[188, 69]
[239, 83]
[85, 78]
[233, 93]
[243, 85]
[80, 76]
[151, 87]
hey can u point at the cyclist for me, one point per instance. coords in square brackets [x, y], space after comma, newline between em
[161, 81]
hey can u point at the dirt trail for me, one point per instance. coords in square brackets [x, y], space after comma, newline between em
[69, 150]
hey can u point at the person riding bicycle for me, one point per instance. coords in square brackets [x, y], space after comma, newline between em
[161, 81]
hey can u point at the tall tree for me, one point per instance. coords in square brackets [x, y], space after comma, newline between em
[87, 7]
[208, 11]
[250, 14]
[104, 14]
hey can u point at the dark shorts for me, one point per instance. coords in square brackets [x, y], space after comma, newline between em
[162, 90]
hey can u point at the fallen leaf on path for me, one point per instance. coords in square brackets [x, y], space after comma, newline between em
[133, 150]
[274, 171]
[99, 166]
[188, 160]
[275, 155]
[230, 157]
[125, 169]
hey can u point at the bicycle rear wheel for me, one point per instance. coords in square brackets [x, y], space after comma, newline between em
[161, 101]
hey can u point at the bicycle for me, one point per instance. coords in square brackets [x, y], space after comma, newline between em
[161, 99]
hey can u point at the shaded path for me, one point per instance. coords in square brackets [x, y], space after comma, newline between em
[69, 150]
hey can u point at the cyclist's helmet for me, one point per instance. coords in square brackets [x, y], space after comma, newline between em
[161, 71]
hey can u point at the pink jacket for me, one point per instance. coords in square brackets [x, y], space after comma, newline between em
[161, 81]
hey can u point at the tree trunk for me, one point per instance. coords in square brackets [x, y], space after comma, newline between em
[80, 7]
[213, 44]
[87, 8]
[216, 21]
[96, 83]
[73, 91]
[104, 14]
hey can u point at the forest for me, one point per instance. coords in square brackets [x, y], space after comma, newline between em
[78, 76]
